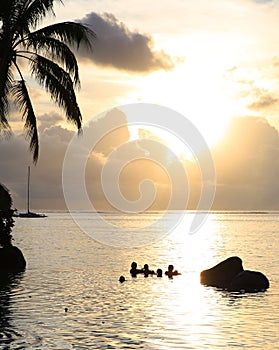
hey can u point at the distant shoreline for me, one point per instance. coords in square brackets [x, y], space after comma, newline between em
[229, 212]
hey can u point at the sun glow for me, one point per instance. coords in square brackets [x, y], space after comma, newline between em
[203, 85]
[189, 299]
[171, 141]
[196, 93]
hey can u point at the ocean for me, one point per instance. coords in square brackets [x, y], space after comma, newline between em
[69, 296]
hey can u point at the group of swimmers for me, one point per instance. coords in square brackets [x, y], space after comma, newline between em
[134, 271]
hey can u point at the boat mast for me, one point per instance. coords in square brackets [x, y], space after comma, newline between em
[28, 191]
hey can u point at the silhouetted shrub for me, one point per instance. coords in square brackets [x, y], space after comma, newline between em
[6, 217]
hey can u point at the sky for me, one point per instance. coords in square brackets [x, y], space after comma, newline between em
[214, 62]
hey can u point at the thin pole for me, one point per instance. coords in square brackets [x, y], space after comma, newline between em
[28, 190]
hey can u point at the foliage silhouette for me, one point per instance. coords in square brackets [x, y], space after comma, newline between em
[48, 52]
[6, 217]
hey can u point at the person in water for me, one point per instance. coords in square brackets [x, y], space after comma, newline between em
[122, 279]
[159, 273]
[146, 271]
[172, 272]
[134, 270]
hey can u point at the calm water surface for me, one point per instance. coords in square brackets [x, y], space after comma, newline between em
[68, 269]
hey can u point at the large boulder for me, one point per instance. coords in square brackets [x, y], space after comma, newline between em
[249, 281]
[229, 274]
[222, 274]
[11, 259]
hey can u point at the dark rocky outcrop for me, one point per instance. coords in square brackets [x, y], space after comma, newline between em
[222, 274]
[249, 281]
[229, 274]
[11, 259]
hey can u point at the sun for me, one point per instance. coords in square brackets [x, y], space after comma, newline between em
[195, 93]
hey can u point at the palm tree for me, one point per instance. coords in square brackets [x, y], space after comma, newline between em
[51, 61]
[53, 64]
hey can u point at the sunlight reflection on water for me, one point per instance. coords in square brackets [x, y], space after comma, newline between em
[67, 269]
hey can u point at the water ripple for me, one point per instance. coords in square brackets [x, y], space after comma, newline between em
[70, 298]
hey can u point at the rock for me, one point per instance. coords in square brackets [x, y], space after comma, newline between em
[223, 273]
[229, 274]
[11, 259]
[249, 281]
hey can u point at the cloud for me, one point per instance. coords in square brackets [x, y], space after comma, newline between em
[258, 98]
[129, 164]
[246, 160]
[247, 165]
[113, 150]
[262, 99]
[46, 187]
[109, 131]
[48, 120]
[46, 177]
[119, 47]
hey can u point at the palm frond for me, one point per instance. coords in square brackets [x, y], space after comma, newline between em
[32, 13]
[5, 7]
[72, 33]
[6, 78]
[60, 86]
[22, 100]
[8, 12]
[4, 108]
[57, 51]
